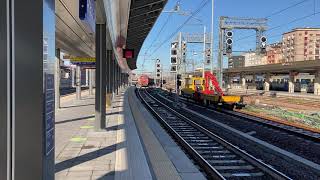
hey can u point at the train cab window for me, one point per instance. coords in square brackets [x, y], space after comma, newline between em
[197, 82]
[199, 88]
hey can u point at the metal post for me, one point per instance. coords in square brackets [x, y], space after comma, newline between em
[27, 90]
[119, 76]
[112, 76]
[180, 62]
[155, 73]
[90, 81]
[266, 84]
[57, 80]
[100, 95]
[87, 77]
[161, 77]
[317, 83]
[212, 25]
[204, 50]
[291, 82]
[78, 82]
[220, 56]
[73, 74]
[108, 75]
[116, 79]
[193, 63]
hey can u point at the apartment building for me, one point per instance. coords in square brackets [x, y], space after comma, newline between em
[301, 44]
[274, 53]
[236, 61]
[252, 59]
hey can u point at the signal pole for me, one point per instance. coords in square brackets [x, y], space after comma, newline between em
[212, 21]
[180, 62]
[204, 50]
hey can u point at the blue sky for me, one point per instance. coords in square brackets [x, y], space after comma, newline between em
[239, 8]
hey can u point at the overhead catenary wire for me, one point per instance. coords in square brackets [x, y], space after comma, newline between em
[280, 11]
[158, 34]
[287, 8]
[203, 4]
[276, 27]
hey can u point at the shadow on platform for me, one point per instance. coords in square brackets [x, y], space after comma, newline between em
[85, 157]
[75, 119]
[66, 107]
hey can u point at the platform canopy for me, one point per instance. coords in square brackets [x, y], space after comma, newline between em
[143, 15]
[128, 24]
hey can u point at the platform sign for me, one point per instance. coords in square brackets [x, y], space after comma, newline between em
[83, 61]
[49, 113]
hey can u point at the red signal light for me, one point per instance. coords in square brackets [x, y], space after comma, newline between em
[128, 53]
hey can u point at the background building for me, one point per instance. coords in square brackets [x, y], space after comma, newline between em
[236, 61]
[274, 53]
[251, 59]
[301, 44]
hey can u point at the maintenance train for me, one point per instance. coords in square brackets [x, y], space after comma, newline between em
[199, 89]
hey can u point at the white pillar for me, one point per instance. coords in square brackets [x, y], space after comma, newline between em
[317, 83]
[73, 77]
[90, 81]
[87, 77]
[243, 81]
[291, 83]
[229, 81]
[57, 80]
[78, 82]
[266, 85]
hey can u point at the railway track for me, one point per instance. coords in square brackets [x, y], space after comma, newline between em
[291, 129]
[217, 157]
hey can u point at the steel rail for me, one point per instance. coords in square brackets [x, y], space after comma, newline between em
[297, 131]
[247, 157]
[213, 173]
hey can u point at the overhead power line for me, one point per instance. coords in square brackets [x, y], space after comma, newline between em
[287, 8]
[276, 27]
[161, 29]
[204, 3]
[280, 11]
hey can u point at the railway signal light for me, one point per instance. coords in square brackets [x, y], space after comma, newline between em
[178, 80]
[208, 56]
[229, 42]
[174, 53]
[184, 48]
[173, 60]
[128, 53]
[174, 45]
[229, 34]
[158, 68]
[173, 68]
[263, 44]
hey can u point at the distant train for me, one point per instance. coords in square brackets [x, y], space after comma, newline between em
[281, 83]
[143, 81]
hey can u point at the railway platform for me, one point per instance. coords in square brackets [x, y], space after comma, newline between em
[132, 146]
